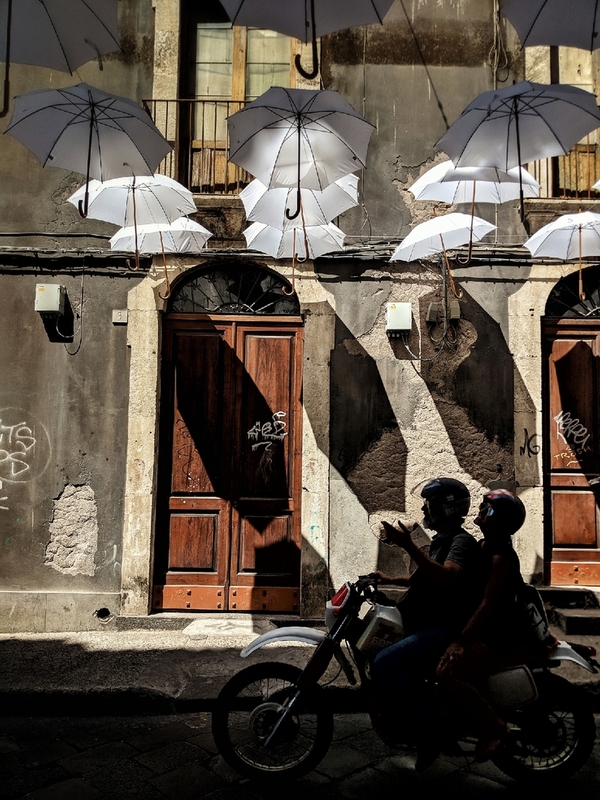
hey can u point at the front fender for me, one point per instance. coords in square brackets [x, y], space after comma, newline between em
[293, 634]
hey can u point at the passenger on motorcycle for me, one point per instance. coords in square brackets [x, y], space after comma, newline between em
[441, 597]
[493, 637]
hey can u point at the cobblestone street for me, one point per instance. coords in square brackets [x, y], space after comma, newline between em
[173, 756]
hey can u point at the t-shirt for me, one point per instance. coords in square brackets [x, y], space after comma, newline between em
[426, 604]
[503, 628]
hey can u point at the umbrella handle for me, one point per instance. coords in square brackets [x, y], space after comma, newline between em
[84, 205]
[315, 54]
[467, 260]
[6, 102]
[298, 204]
[164, 259]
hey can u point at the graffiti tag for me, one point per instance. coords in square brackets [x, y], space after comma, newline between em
[17, 443]
[529, 448]
[572, 432]
[265, 433]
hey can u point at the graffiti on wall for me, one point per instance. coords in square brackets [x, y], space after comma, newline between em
[24, 449]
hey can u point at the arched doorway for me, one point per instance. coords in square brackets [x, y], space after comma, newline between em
[228, 505]
[571, 358]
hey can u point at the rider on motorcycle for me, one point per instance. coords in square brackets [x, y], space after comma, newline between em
[441, 596]
[494, 637]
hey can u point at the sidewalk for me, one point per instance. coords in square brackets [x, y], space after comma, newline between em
[175, 667]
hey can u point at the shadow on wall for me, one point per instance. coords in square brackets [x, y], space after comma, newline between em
[473, 390]
[367, 447]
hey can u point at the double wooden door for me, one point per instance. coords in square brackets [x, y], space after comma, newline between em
[572, 438]
[228, 514]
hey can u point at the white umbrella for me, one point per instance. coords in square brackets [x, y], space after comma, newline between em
[133, 200]
[511, 126]
[301, 243]
[59, 34]
[181, 236]
[299, 137]
[555, 22]
[439, 234]
[570, 237]
[318, 208]
[306, 21]
[449, 184]
[84, 129]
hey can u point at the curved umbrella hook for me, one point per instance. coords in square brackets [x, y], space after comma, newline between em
[84, 204]
[298, 195]
[315, 54]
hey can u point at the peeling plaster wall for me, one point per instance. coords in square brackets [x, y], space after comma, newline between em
[73, 532]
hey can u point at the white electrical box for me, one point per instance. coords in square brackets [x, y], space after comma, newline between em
[398, 318]
[50, 298]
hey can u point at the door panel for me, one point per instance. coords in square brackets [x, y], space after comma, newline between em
[572, 468]
[228, 506]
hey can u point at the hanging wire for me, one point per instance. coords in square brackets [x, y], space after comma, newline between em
[498, 56]
[80, 328]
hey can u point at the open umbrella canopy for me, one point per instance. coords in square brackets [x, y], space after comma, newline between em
[302, 243]
[84, 129]
[294, 17]
[449, 184]
[318, 208]
[306, 19]
[571, 236]
[143, 200]
[181, 236]
[59, 34]
[439, 234]
[555, 22]
[287, 136]
[517, 124]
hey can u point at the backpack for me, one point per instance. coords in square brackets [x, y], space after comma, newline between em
[535, 628]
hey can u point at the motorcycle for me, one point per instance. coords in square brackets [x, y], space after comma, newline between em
[272, 720]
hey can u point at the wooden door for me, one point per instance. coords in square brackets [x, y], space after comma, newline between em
[572, 357]
[228, 517]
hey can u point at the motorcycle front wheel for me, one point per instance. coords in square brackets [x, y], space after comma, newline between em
[551, 738]
[248, 708]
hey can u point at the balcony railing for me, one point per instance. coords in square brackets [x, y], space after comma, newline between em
[197, 130]
[571, 176]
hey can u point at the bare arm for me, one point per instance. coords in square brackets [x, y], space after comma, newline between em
[443, 575]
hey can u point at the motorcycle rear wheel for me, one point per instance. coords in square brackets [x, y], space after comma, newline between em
[549, 739]
[247, 708]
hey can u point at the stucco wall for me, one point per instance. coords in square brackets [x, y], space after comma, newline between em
[63, 438]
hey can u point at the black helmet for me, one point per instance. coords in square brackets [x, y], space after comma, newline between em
[446, 498]
[508, 509]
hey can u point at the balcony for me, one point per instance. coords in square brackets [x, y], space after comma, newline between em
[197, 130]
[572, 176]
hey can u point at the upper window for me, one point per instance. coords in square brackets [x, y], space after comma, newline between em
[223, 68]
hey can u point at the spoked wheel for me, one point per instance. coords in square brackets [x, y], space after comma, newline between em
[251, 734]
[551, 738]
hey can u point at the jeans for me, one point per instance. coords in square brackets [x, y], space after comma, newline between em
[398, 673]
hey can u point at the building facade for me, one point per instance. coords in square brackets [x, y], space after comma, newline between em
[224, 432]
